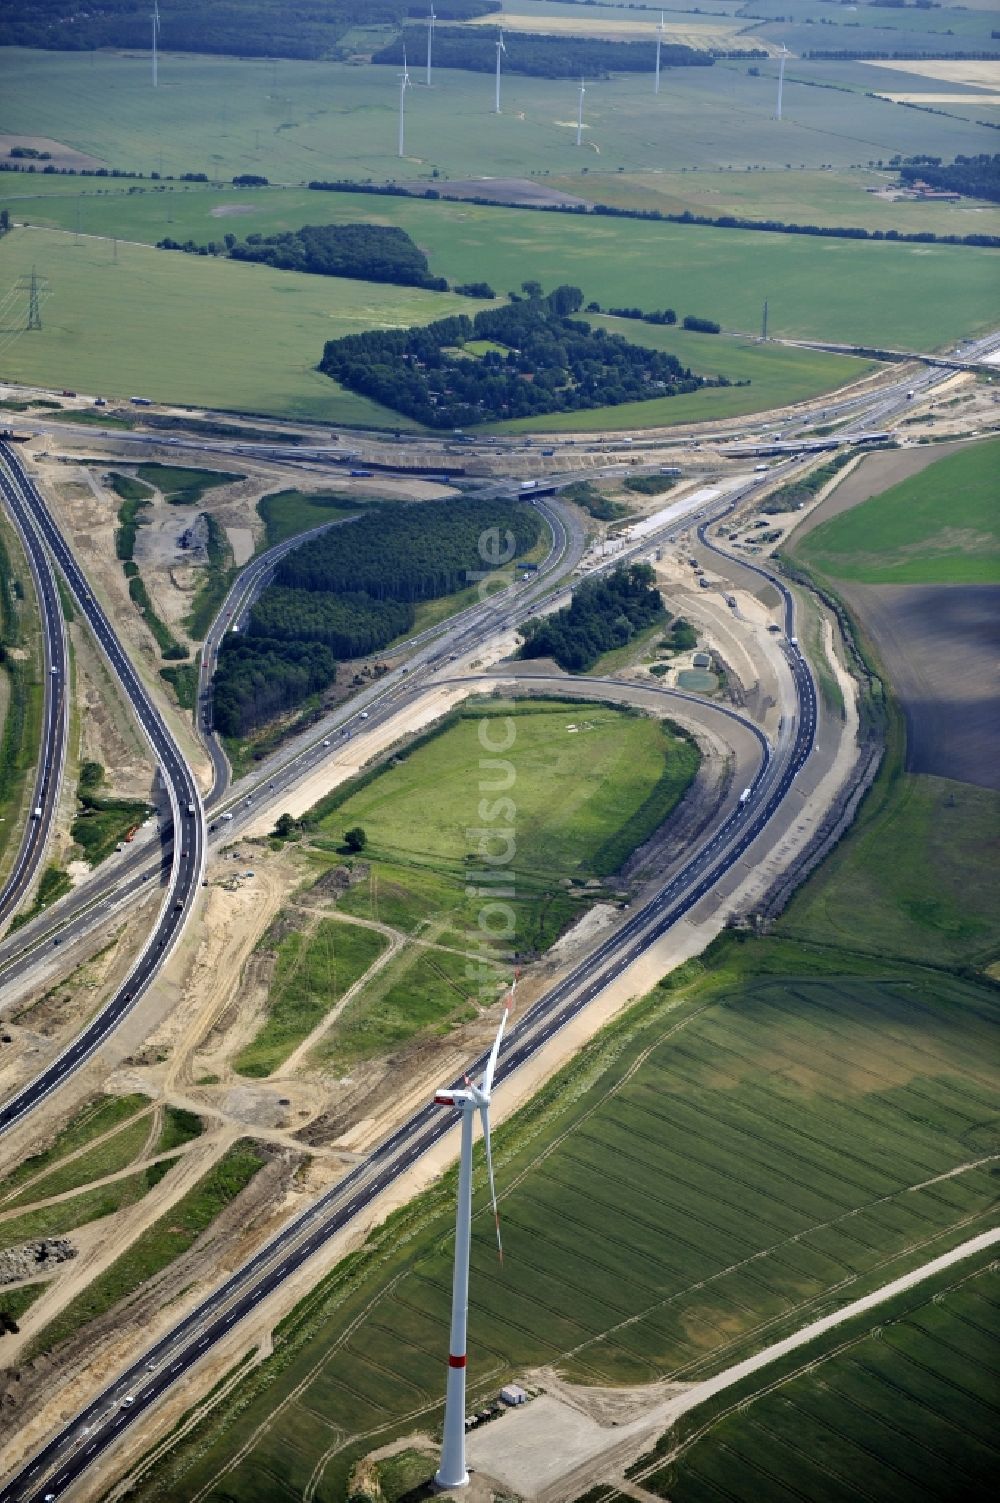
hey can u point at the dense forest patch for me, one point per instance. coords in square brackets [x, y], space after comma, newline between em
[538, 360]
[544, 56]
[243, 28]
[603, 614]
[351, 591]
[365, 252]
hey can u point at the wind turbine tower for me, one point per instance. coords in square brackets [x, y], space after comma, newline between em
[430, 41]
[579, 115]
[404, 84]
[156, 36]
[496, 111]
[659, 44]
[781, 78]
[452, 1472]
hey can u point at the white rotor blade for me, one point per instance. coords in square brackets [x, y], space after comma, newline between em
[491, 1063]
[484, 1115]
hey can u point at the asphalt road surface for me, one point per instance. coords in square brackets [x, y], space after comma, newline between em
[188, 817]
[55, 703]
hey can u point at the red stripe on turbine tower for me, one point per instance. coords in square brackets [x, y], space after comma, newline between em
[456, 1361]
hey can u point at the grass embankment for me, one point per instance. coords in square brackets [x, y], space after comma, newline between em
[21, 688]
[313, 971]
[14, 1302]
[218, 576]
[894, 1396]
[116, 1153]
[157, 1247]
[65, 1216]
[940, 526]
[54, 883]
[183, 679]
[181, 485]
[92, 1121]
[136, 496]
[765, 1123]
[287, 513]
[101, 824]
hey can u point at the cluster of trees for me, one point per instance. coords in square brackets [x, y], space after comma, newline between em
[546, 362]
[244, 28]
[350, 624]
[660, 316]
[603, 614]
[258, 678]
[474, 49]
[409, 553]
[370, 252]
[976, 177]
[373, 252]
[350, 592]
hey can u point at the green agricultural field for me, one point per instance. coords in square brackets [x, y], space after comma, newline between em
[181, 485]
[292, 121]
[771, 1130]
[941, 526]
[589, 784]
[909, 295]
[792, 195]
[915, 880]
[287, 513]
[315, 968]
[901, 1403]
[179, 328]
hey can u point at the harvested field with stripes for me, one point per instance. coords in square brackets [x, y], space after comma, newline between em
[710, 1176]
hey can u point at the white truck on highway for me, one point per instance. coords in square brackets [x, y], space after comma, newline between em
[745, 797]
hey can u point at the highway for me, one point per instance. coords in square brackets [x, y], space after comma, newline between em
[55, 704]
[122, 1403]
[188, 816]
[89, 1435]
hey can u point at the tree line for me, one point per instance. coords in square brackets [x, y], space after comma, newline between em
[720, 221]
[369, 252]
[603, 614]
[351, 591]
[542, 361]
[540, 56]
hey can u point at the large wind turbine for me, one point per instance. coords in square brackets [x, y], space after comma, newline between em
[156, 35]
[430, 41]
[404, 84]
[579, 115]
[781, 78]
[659, 44]
[500, 48]
[452, 1471]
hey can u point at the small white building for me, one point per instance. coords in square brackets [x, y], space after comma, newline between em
[513, 1394]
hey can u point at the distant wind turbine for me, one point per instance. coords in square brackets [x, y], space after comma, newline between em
[500, 48]
[781, 78]
[659, 44]
[156, 35]
[452, 1471]
[430, 41]
[579, 115]
[404, 84]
